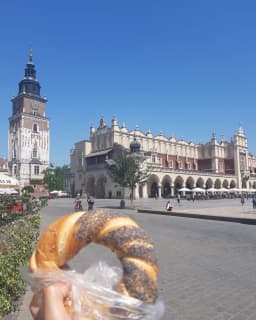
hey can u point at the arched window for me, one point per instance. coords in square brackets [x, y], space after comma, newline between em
[35, 128]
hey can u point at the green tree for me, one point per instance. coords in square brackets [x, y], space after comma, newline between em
[53, 178]
[128, 171]
[27, 189]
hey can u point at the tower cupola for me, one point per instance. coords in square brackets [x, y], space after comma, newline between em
[29, 84]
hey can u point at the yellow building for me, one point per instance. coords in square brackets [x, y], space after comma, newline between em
[173, 164]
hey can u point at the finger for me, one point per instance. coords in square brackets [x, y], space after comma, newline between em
[35, 305]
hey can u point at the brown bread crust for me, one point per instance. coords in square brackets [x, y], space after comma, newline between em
[63, 239]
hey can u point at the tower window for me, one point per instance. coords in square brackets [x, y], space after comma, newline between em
[35, 128]
[36, 170]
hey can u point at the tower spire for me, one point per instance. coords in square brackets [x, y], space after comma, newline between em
[30, 55]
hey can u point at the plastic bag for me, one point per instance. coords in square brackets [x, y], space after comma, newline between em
[93, 294]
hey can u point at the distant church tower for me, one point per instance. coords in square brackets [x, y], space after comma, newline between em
[29, 135]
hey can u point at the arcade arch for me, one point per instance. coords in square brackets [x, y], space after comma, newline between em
[166, 186]
[200, 183]
[178, 184]
[190, 183]
[225, 183]
[209, 183]
[153, 183]
[217, 184]
[232, 184]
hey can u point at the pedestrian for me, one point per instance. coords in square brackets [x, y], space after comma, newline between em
[242, 199]
[178, 197]
[78, 203]
[90, 202]
[254, 201]
[168, 206]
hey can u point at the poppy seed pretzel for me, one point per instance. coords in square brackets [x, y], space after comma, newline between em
[63, 239]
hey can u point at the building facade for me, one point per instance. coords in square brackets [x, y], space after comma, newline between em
[172, 163]
[29, 133]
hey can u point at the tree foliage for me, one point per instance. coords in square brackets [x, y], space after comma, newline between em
[128, 171]
[54, 178]
[27, 189]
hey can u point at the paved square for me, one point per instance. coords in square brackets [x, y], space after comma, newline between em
[207, 268]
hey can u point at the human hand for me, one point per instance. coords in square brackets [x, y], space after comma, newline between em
[52, 302]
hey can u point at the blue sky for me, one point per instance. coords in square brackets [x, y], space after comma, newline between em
[186, 68]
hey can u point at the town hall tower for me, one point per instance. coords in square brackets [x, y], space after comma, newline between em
[29, 135]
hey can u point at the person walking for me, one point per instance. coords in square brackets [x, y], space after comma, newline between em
[242, 199]
[90, 202]
[178, 197]
[254, 201]
[78, 203]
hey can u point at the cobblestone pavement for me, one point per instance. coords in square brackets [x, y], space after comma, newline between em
[207, 268]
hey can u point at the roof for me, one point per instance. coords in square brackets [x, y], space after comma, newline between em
[98, 153]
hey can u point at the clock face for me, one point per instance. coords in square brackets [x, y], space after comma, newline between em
[34, 105]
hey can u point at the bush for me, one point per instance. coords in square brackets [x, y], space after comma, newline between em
[44, 202]
[18, 234]
[35, 220]
[17, 240]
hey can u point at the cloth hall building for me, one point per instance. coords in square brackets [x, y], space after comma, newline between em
[172, 163]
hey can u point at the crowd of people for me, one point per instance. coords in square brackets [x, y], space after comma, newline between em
[192, 197]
